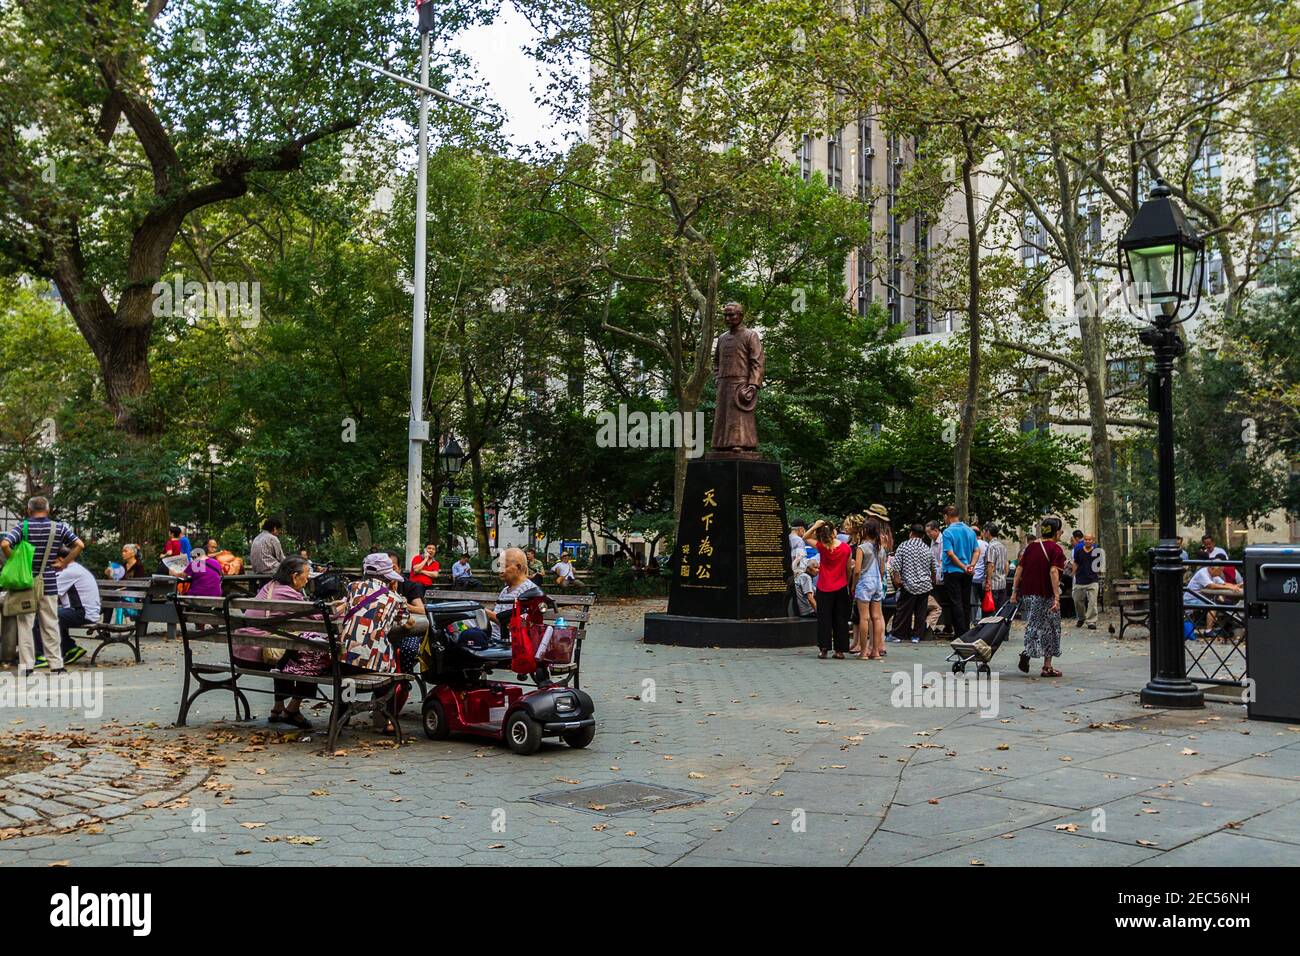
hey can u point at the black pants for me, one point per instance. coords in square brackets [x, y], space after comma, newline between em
[909, 619]
[833, 619]
[955, 597]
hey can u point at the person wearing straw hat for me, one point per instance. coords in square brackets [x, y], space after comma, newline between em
[890, 603]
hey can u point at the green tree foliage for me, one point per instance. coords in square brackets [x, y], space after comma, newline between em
[1016, 476]
[1262, 340]
[1224, 469]
[120, 121]
[46, 385]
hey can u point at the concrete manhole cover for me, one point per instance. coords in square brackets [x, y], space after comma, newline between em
[620, 796]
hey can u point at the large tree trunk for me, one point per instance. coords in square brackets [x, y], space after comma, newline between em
[970, 406]
[1093, 352]
[122, 351]
[480, 524]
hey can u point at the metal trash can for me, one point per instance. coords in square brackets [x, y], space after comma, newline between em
[1272, 573]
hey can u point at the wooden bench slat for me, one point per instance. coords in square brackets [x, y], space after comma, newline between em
[277, 607]
[490, 597]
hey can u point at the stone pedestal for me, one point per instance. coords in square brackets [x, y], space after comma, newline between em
[732, 561]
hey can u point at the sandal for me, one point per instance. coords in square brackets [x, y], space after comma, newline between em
[1051, 672]
[821, 655]
[296, 719]
[839, 655]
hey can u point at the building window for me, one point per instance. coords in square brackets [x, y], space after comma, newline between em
[1274, 240]
[1213, 281]
[835, 161]
[864, 279]
[805, 157]
[1207, 168]
[921, 283]
[1122, 374]
[1033, 242]
[866, 153]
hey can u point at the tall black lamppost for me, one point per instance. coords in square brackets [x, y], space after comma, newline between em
[452, 457]
[1162, 260]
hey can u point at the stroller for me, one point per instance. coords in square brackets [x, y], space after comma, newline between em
[981, 642]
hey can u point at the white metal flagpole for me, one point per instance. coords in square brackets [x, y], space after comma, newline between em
[419, 428]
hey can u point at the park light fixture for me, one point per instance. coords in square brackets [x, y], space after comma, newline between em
[1162, 260]
[893, 482]
[452, 457]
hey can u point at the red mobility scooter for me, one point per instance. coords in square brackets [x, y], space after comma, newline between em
[460, 654]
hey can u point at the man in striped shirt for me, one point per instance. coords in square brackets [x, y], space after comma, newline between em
[914, 562]
[47, 550]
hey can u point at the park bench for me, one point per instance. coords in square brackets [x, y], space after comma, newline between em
[231, 621]
[574, 608]
[1133, 600]
[142, 601]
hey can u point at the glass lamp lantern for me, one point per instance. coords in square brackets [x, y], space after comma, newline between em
[893, 481]
[1161, 258]
[452, 458]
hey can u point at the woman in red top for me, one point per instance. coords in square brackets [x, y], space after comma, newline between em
[1037, 588]
[832, 589]
[424, 567]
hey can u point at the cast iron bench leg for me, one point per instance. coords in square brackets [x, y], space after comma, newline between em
[186, 700]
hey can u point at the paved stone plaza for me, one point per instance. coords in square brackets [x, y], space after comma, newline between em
[795, 761]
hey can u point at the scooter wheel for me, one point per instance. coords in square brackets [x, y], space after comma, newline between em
[523, 734]
[435, 720]
[579, 738]
[959, 668]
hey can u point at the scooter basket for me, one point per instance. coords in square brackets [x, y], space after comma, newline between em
[557, 646]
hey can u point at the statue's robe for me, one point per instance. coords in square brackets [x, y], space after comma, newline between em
[737, 362]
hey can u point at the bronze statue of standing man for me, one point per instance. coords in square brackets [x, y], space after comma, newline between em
[738, 371]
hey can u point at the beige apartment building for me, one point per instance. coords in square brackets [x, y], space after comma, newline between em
[868, 163]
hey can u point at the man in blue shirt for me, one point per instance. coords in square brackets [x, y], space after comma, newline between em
[959, 547]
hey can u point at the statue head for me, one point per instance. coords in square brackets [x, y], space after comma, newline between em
[734, 313]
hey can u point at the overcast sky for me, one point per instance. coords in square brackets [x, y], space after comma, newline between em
[512, 77]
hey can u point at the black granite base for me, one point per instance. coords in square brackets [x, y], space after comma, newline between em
[684, 631]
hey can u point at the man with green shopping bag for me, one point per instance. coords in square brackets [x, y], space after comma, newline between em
[34, 544]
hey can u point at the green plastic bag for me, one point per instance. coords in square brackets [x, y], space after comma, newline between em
[16, 575]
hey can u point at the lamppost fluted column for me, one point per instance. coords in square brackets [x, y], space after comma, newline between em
[1169, 686]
